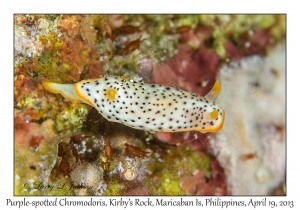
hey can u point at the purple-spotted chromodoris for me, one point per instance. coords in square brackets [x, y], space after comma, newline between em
[149, 107]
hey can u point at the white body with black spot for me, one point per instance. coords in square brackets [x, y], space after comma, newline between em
[148, 107]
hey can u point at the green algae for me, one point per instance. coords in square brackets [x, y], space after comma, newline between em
[161, 41]
[170, 167]
[114, 187]
[71, 118]
[234, 26]
[169, 185]
[25, 101]
[33, 165]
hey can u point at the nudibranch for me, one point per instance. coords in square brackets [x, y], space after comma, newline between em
[149, 107]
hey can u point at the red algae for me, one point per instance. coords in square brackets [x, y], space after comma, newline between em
[70, 24]
[108, 31]
[75, 153]
[77, 139]
[71, 55]
[183, 29]
[78, 54]
[189, 69]
[35, 140]
[164, 75]
[218, 177]
[68, 157]
[135, 151]
[28, 97]
[199, 185]
[196, 184]
[108, 149]
[128, 29]
[133, 45]
[249, 43]
[65, 167]
[198, 37]
[232, 51]
[23, 130]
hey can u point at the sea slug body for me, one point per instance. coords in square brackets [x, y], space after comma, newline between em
[149, 107]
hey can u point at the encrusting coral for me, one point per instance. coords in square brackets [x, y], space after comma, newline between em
[56, 138]
[251, 147]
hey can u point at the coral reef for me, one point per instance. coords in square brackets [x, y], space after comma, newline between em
[67, 148]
